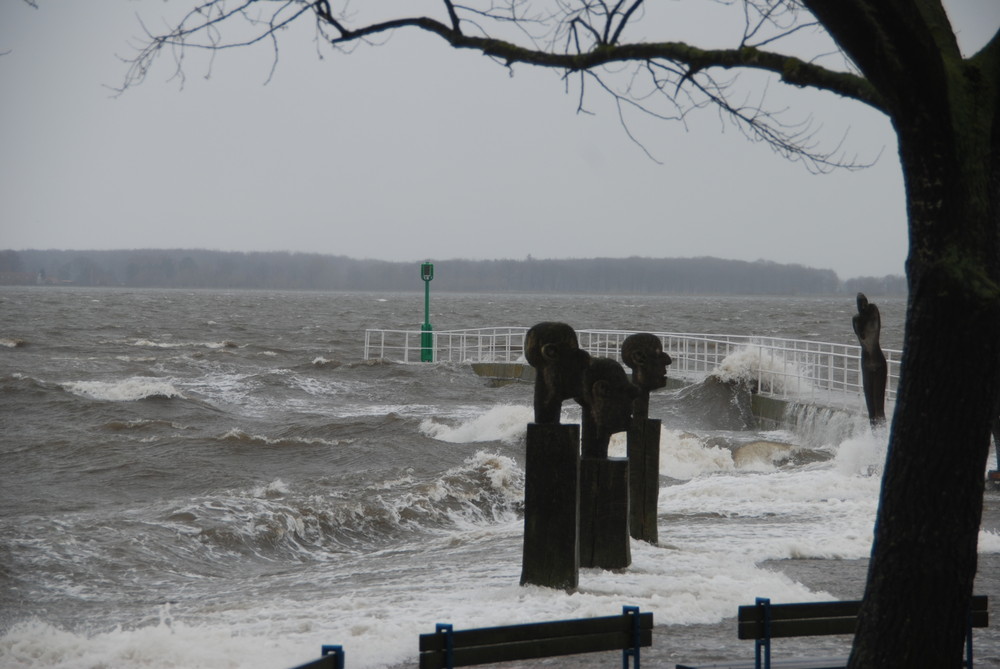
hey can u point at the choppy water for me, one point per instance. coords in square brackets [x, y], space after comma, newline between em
[217, 479]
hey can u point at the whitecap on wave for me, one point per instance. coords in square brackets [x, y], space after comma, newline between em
[239, 435]
[126, 390]
[506, 423]
[148, 343]
[754, 364]
[277, 518]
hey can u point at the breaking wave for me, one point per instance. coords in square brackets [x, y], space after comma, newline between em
[755, 366]
[274, 518]
[506, 423]
[127, 390]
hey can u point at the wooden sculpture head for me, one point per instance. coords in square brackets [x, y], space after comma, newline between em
[552, 349]
[644, 354]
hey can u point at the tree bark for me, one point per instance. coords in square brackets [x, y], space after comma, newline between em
[924, 555]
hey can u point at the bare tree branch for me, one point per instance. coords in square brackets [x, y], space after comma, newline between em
[576, 36]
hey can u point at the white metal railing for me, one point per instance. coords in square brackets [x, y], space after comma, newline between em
[502, 344]
[802, 370]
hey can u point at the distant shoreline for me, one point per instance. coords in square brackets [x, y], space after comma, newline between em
[227, 270]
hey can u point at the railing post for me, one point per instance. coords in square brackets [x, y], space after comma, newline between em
[829, 372]
[760, 361]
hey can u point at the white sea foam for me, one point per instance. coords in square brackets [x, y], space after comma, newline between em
[379, 627]
[361, 410]
[233, 389]
[685, 456]
[505, 423]
[751, 364]
[237, 434]
[821, 427]
[833, 514]
[215, 345]
[501, 471]
[320, 387]
[37, 644]
[863, 454]
[148, 343]
[125, 390]
[700, 572]
[320, 361]
[989, 542]
[275, 488]
[132, 358]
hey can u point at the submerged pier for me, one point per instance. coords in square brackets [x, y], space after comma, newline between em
[779, 371]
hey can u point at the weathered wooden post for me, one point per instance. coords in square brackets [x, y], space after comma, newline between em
[643, 353]
[604, 482]
[604, 513]
[551, 555]
[644, 478]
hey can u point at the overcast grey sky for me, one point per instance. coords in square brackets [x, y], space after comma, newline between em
[407, 151]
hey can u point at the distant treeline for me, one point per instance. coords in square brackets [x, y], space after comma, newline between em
[193, 268]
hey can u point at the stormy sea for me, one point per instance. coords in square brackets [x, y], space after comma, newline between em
[214, 478]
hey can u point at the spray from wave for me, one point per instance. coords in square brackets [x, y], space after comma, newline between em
[506, 423]
[758, 367]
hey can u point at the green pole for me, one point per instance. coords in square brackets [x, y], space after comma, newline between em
[427, 332]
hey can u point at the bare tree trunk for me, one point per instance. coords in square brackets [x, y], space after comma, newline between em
[924, 557]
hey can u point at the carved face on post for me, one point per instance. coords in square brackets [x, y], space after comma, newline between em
[552, 349]
[608, 396]
[644, 354]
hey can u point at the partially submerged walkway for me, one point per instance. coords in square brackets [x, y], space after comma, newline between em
[795, 370]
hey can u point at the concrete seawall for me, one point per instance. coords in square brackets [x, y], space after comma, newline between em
[499, 373]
